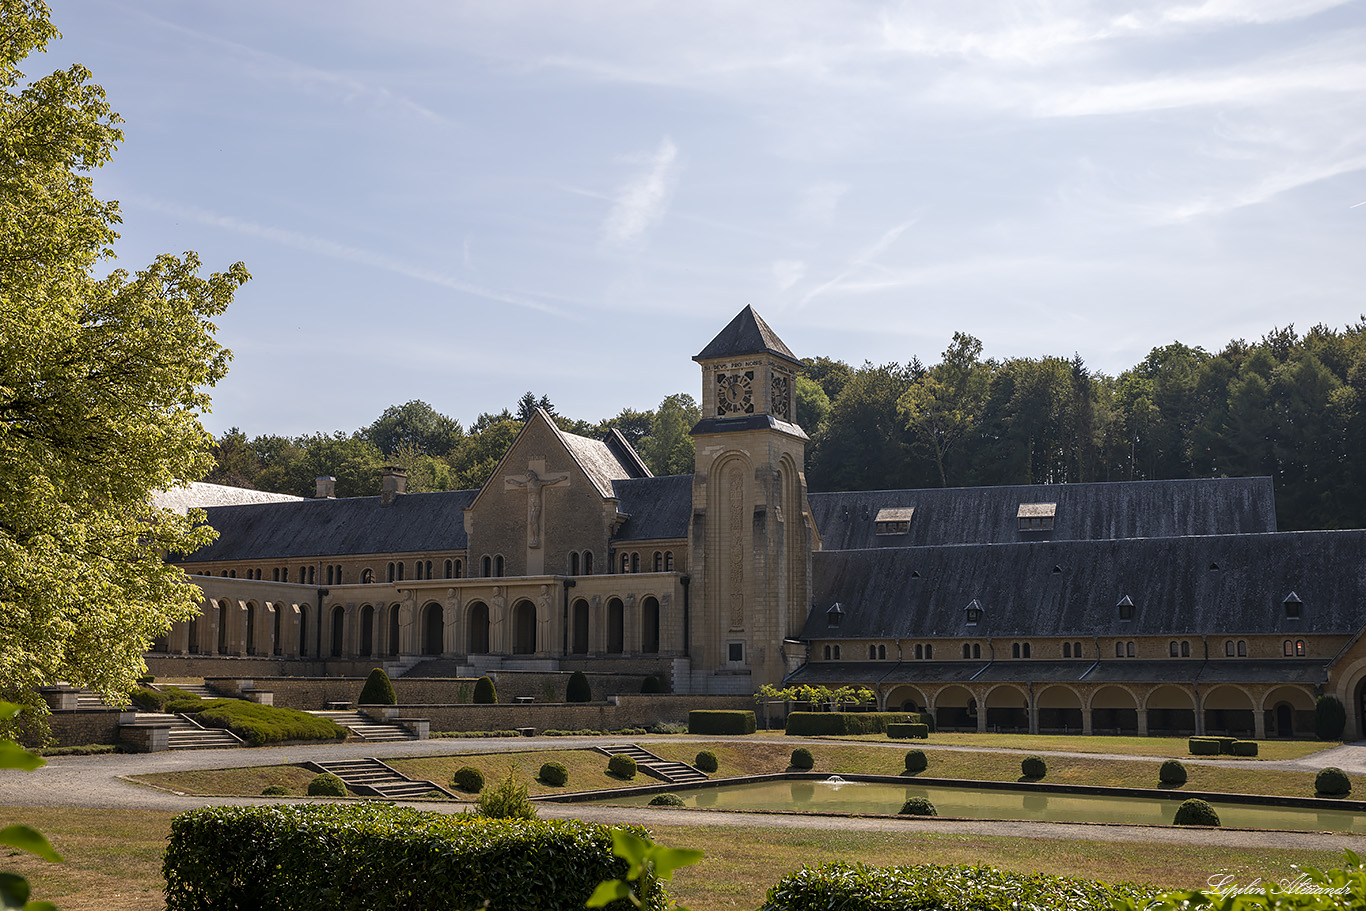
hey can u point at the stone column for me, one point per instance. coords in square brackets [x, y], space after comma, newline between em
[450, 622]
[178, 639]
[1142, 722]
[1032, 708]
[1258, 722]
[1086, 721]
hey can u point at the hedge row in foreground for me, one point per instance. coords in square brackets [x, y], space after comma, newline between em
[718, 721]
[813, 724]
[856, 887]
[261, 724]
[1228, 746]
[335, 857]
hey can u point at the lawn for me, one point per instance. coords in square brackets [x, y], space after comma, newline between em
[113, 858]
[1164, 747]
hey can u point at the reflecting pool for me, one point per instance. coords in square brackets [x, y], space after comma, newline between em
[983, 803]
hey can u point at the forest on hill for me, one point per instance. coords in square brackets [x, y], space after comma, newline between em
[1289, 406]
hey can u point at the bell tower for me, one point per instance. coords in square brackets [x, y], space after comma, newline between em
[751, 529]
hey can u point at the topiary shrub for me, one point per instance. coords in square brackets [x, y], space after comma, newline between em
[326, 785]
[1203, 746]
[578, 689]
[1332, 782]
[1244, 748]
[721, 721]
[706, 761]
[275, 790]
[908, 731]
[622, 766]
[484, 692]
[554, 774]
[666, 800]
[1034, 767]
[1195, 812]
[916, 761]
[1330, 718]
[1172, 773]
[378, 689]
[802, 759]
[468, 779]
[508, 799]
[918, 806]
[651, 685]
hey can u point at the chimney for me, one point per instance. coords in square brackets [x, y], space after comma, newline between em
[327, 487]
[393, 480]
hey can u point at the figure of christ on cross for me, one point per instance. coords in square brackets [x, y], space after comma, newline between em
[535, 497]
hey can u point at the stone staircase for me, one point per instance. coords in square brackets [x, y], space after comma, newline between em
[186, 734]
[367, 728]
[90, 701]
[199, 689]
[372, 778]
[663, 769]
[434, 667]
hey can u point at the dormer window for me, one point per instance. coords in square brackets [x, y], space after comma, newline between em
[893, 520]
[973, 612]
[834, 615]
[1293, 606]
[1036, 516]
[1126, 608]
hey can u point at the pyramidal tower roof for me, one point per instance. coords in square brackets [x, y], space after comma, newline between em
[746, 334]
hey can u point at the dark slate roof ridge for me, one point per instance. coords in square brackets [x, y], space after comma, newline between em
[968, 488]
[747, 333]
[659, 508]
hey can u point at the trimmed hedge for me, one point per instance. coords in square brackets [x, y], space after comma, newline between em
[666, 800]
[378, 689]
[802, 759]
[1203, 746]
[274, 790]
[578, 690]
[1195, 812]
[325, 784]
[484, 692]
[622, 766]
[366, 855]
[1330, 718]
[908, 731]
[817, 724]
[1033, 767]
[706, 761]
[468, 779]
[1172, 773]
[554, 774]
[916, 761]
[1332, 782]
[918, 806]
[260, 724]
[856, 887]
[718, 721]
[1244, 748]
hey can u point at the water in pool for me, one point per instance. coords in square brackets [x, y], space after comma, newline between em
[980, 803]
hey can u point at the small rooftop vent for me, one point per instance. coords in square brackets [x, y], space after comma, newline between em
[893, 520]
[835, 615]
[1293, 605]
[973, 612]
[1056, 569]
[1214, 567]
[1126, 608]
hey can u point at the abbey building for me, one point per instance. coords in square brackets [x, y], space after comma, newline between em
[1129, 607]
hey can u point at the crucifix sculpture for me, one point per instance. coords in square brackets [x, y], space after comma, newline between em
[535, 486]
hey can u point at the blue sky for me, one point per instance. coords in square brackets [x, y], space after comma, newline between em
[461, 201]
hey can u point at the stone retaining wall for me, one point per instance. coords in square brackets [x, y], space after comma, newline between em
[82, 728]
[627, 712]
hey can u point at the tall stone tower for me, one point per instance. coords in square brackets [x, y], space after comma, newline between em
[751, 524]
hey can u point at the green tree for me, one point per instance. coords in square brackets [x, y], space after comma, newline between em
[943, 406]
[101, 387]
[813, 405]
[416, 426]
[668, 450]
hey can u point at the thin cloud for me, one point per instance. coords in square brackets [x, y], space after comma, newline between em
[642, 202]
[321, 246]
[787, 272]
[861, 262]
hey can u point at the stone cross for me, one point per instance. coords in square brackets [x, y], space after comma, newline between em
[535, 484]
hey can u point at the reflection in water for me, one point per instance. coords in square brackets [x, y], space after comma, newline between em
[983, 803]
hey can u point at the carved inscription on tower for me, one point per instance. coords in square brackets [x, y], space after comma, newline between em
[737, 548]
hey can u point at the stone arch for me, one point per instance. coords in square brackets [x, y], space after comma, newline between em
[221, 627]
[1114, 707]
[395, 629]
[956, 708]
[477, 628]
[249, 621]
[616, 627]
[524, 628]
[1289, 710]
[304, 631]
[277, 611]
[649, 625]
[906, 698]
[1171, 710]
[367, 630]
[579, 644]
[1007, 708]
[1228, 708]
[338, 617]
[1059, 709]
[433, 628]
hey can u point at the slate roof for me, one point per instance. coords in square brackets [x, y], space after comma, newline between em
[353, 525]
[658, 507]
[989, 515]
[600, 462]
[922, 592]
[746, 334]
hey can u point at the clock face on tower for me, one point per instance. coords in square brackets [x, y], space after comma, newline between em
[735, 393]
[780, 396]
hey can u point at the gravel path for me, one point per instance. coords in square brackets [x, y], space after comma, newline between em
[96, 781]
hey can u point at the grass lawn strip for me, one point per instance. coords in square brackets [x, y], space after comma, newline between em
[1164, 747]
[113, 858]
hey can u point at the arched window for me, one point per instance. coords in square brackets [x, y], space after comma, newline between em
[1299, 648]
[976, 649]
[1119, 649]
[1025, 648]
[929, 651]
[668, 561]
[1242, 648]
[588, 563]
[338, 630]
[882, 653]
[303, 631]
[837, 653]
[251, 627]
[625, 563]
[580, 627]
[391, 572]
[284, 574]
[872, 653]
[433, 629]
[447, 568]
[1185, 649]
[313, 575]
[524, 628]
[616, 627]
[400, 570]
[275, 574]
[1173, 649]
[417, 570]
[498, 566]
[1015, 650]
[827, 653]
[477, 635]
[1287, 649]
[649, 626]
[488, 566]
[459, 569]
[394, 635]
[1076, 649]
[1228, 649]
[919, 651]
[659, 561]
[367, 576]
[1067, 650]
[574, 563]
[967, 650]
[1129, 649]
[367, 631]
[428, 564]
[329, 575]
[635, 562]
[276, 648]
[232, 574]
